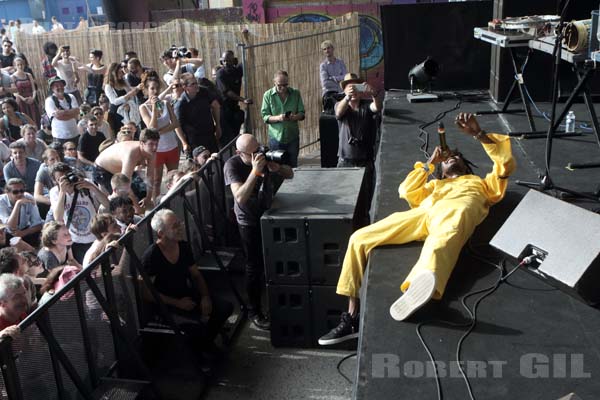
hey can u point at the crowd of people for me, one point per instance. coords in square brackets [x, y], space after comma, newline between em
[82, 168]
[87, 164]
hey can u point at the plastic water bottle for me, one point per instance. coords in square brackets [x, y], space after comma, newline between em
[570, 122]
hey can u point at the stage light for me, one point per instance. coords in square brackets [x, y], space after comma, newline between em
[420, 77]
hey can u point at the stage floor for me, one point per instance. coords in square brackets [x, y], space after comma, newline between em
[531, 340]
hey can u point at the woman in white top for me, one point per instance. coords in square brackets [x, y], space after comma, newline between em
[122, 97]
[158, 114]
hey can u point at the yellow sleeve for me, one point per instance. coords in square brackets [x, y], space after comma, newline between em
[500, 153]
[415, 188]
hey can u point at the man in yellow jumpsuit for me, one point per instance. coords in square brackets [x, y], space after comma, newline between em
[444, 213]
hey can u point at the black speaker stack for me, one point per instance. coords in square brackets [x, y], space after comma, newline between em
[305, 235]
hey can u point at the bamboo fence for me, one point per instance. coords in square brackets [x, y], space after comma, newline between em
[297, 50]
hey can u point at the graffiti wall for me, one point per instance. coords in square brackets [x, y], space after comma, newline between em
[371, 43]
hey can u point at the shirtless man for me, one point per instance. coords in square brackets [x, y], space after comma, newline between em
[123, 157]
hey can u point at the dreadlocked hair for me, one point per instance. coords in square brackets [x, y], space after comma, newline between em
[438, 168]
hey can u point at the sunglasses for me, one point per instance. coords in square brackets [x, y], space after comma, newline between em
[17, 191]
[177, 85]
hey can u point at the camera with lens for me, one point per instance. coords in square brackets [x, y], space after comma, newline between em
[73, 178]
[354, 141]
[277, 156]
[180, 52]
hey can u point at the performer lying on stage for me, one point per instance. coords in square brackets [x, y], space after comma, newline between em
[444, 213]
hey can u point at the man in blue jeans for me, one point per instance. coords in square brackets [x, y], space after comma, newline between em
[281, 110]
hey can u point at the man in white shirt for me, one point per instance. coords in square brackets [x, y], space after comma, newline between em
[57, 26]
[177, 65]
[79, 220]
[63, 109]
[66, 69]
[19, 212]
[37, 29]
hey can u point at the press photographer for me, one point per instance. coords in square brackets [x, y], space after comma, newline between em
[356, 115]
[251, 177]
[179, 60]
[74, 201]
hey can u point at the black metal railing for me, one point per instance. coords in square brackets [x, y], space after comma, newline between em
[88, 330]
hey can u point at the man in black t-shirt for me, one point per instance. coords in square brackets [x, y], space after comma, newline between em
[229, 83]
[175, 275]
[199, 114]
[7, 56]
[251, 179]
[88, 146]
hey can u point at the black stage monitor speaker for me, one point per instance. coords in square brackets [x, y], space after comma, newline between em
[564, 238]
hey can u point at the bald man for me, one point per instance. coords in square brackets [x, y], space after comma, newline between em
[250, 176]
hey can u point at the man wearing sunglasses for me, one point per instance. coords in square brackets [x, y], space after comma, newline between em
[20, 214]
[282, 108]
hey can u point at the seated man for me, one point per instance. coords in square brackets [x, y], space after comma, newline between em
[122, 209]
[21, 166]
[123, 157]
[170, 264]
[121, 187]
[444, 213]
[12, 262]
[20, 214]
[14, 304]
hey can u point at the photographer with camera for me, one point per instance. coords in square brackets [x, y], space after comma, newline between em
[178, 60]
[74, 202]
[229, 83]
[356, 115]
[250, 174]
[282, 108]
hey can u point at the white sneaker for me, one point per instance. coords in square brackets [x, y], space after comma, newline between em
[418, 294]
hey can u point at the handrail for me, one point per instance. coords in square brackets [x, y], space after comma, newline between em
[37, 313]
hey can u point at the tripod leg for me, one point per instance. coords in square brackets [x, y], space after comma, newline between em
[509, 96]
[522, 88]
[592, 111]
[583, 80]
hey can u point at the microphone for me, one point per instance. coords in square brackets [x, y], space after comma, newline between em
[442, 135]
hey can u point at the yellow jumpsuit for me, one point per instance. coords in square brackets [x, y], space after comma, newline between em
[443, 214]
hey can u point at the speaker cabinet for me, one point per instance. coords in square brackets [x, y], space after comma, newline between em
[564, 239]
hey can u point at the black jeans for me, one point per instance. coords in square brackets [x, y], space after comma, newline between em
[252, 245]
[206, 331]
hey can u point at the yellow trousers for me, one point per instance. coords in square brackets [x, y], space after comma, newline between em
[444, 228]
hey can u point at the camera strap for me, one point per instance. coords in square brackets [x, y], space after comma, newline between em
[72, 208]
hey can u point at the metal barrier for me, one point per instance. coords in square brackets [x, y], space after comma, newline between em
[88, 330]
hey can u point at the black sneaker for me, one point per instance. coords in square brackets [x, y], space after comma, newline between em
[260, 321]
[346, 330]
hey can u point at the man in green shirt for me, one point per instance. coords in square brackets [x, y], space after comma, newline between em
[281, 109]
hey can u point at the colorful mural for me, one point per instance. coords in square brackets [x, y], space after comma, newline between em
[371, 41]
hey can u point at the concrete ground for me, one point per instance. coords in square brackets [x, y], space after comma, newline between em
[255, 370]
